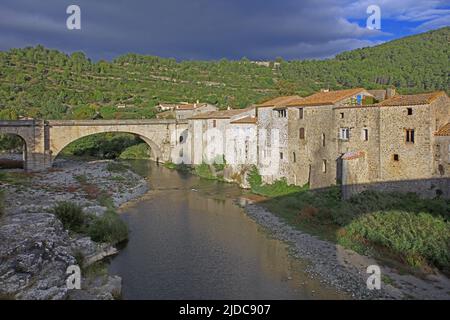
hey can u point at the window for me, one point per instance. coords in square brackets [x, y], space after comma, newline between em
[344, 134]
[301, 133]
[410, 111]
[282, 113]
[300, 113]
[396, 157]
[323, 139]
[214, 123]
[365, 134]
[181, 139]
[324, 166]
[410, 135]
[342, 115]
[281, 155]
[294, 157]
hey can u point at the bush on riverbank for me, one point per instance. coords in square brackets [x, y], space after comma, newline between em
[204, 171]
[370, 223]
[137, 152]
[108, 228]
[276, 189]
[71, 215]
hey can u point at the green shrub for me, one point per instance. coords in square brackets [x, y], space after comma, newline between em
[416, 237]
[204, 171]
[71, 215]
[108, 228]
[136, 152]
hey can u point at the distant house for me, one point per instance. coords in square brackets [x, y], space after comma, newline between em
[184, 110]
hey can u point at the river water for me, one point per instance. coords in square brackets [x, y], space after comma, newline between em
[189, 240]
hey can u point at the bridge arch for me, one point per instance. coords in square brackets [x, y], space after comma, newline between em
[24, 147]
[156, 154]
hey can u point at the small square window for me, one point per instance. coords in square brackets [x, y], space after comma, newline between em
[300, 113]
[410, 111]
[342, 115]
[396, 157]
[214, 123]
[281, 155]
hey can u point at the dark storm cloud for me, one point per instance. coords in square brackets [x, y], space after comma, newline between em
[187, 29]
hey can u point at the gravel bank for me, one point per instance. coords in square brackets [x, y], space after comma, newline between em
[35, 250]
[346, 269]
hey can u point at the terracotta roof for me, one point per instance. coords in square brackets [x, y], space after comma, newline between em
[224, 114]
[280, 101]
[444, 131]
[412, 99]
[353, 155]
[245, 120]
[190, 106]
[326, 98]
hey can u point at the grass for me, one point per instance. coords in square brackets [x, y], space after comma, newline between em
[137, 152]
[278, 188]
[419, 239]
[399, 228]
[16, 178]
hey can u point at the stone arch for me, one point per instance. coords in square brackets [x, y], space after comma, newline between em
[26, 144]
[156, 154]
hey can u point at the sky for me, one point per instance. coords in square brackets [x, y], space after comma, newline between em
[215, 29]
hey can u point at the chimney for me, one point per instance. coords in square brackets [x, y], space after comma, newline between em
[390, 92]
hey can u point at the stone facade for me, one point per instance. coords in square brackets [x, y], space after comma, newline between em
[334, 137]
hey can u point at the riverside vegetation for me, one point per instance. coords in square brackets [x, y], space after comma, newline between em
[400, 229]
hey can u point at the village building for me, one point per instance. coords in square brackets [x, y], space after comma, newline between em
[183, 111]
[227, 136]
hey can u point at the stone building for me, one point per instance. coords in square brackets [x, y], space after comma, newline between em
[272, 138]
[183, 111]
[228, 135]
[390, 145]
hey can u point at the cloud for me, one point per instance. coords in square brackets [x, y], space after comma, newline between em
[205, 29]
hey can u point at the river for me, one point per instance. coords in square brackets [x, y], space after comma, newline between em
[189, 240]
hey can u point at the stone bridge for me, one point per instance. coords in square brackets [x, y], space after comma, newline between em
[44, 140]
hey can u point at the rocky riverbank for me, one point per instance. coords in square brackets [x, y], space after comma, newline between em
[345, 269]
[35, 249]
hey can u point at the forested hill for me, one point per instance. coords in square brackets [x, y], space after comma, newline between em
[44, 83]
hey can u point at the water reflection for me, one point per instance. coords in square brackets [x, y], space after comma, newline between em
[189, 240]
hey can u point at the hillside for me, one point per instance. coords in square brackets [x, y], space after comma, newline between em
[44, 83]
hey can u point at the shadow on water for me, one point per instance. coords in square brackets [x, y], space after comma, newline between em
[189, 240]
